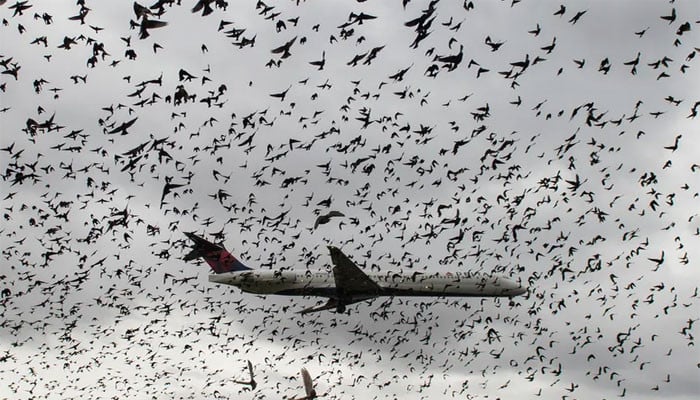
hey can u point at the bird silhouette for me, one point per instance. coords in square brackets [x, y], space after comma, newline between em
[325, 218]
[251, 381]
[284, 49]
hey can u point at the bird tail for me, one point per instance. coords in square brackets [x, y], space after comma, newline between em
[218, 258]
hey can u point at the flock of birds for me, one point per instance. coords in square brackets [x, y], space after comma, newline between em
[415, 135]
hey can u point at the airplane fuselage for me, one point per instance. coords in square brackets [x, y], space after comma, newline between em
[322, 283]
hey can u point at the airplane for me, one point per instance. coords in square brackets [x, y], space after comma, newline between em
[346, 283]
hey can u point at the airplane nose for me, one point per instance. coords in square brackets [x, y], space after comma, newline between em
[518, 291]
[511, 288]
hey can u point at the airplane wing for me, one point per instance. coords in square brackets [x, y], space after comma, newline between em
[349, 278]
[352, 285]
[333, 303]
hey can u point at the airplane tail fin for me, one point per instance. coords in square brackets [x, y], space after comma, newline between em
[218, 258]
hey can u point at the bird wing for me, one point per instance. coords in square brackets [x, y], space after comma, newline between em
[308, 383]
[285, 47]
[153, 23]
[250, 370]
[321, 219]
[198, 6]
[124, 126]
[140, 10]
[128, 124]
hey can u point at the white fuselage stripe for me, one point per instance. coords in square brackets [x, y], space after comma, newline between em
[323, 283]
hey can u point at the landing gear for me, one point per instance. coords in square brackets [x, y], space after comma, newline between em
[340, 299]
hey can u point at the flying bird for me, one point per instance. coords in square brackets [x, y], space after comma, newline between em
[147, 24]
[251, 381]
[284, 49]
[308, 386]
[324, 219]
[123, 127]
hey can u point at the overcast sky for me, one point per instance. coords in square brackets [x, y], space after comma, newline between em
[556, 145]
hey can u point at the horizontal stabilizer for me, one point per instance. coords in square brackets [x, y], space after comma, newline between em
[218, 258]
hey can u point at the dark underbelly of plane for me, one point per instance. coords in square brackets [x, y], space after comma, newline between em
[332, 293]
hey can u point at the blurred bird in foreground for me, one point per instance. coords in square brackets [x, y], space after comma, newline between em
[251, 382]
[308, 386]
